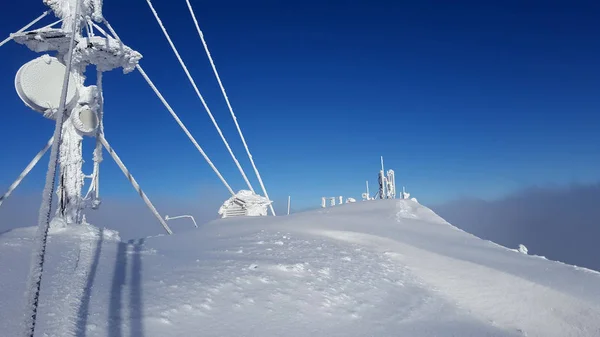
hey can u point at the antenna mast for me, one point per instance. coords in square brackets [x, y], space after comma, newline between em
[79, 111]
[387, 184]
[382, 182]
[54, 86]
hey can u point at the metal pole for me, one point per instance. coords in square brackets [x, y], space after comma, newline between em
[384, 190]
[26, 171]
[167, 218]
[237, 125]
[133, 182]
[289, 200]
[34, 279]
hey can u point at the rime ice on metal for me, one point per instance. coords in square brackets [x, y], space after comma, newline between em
[65, 9]
[83, 116]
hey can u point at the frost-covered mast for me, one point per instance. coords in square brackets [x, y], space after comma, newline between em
[78, 109]
[387, 183]
[382, 182]
[71, 176]
[391, 184]
[54, 86]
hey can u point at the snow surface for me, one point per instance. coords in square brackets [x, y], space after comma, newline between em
[375, 268]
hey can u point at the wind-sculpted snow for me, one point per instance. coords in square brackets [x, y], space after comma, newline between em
[378, 268]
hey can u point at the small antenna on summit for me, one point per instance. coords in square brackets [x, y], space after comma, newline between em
[387, 184]
[382, 182]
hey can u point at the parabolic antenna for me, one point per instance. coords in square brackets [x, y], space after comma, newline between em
[85, 120]
[39, 84]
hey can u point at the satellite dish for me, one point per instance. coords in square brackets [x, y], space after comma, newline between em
[39, 85]
[85, 120]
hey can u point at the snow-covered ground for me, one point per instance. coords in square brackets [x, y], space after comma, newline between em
[379, 268]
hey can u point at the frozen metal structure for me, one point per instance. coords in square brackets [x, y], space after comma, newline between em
[53, 85]
[50, 84]
[391, 184]
[387, 189]
[387, 183]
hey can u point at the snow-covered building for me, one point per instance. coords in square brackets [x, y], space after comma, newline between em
[245, 203]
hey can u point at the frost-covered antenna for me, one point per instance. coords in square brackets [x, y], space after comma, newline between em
[54, 86]
[387, 183]
[382, 182]
[391, 184]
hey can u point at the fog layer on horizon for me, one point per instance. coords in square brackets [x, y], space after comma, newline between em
[560, 223]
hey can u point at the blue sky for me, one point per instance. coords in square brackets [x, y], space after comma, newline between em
[461, 98]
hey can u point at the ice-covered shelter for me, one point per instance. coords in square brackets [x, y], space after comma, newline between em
[245, 203]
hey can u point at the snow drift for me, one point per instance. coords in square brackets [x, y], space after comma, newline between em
[376, 268]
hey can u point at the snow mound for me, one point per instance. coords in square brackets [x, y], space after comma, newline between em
[376, 268]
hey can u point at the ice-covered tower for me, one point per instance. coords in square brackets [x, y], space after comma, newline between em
[39, 83]
[67, 11]
[387, 183]
[391, 184]
[382, 182]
